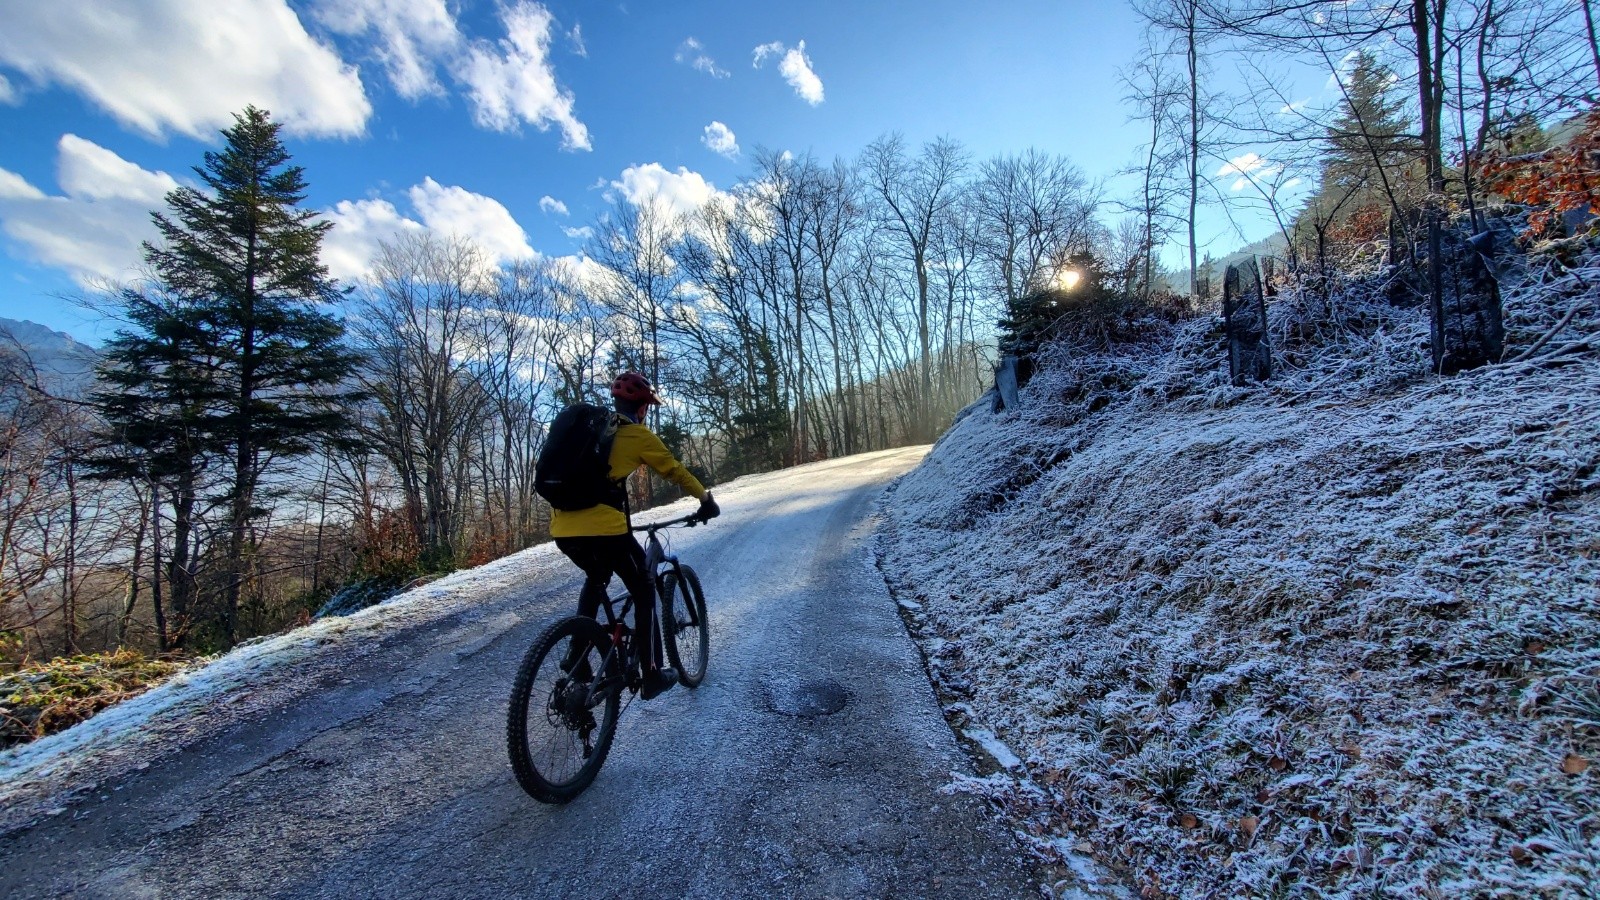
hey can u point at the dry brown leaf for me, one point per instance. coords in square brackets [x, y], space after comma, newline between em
[1574, 764]
[1533, 647]
[1187, 820]
[1249, 824]
[1520, 853]
[1278, 763]
[1263, 795]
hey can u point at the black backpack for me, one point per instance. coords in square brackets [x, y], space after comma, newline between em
[574, 469]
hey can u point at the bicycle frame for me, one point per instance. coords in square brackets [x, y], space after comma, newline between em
[655, 557]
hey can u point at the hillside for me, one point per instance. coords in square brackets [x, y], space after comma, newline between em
[1334, 636]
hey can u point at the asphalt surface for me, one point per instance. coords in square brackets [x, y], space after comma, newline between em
[389, 778]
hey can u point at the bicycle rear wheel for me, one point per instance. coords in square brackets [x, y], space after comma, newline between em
[562, 718]
[684, 625]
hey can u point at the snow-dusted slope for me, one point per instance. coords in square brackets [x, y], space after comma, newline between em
[1337, 636]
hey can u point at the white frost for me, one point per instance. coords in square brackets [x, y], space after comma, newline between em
[1331, 636]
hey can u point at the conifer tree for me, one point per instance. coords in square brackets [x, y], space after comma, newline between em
[242, 261]
[1370, 143]
[155, 394]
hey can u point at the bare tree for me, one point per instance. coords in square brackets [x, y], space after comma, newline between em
[913, 194]
[420, 328]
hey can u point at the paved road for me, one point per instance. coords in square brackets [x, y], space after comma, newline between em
[390, 778]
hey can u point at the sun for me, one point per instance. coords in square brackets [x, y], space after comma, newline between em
[1067, 279]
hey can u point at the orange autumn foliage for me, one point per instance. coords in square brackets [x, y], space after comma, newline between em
[1554, 181]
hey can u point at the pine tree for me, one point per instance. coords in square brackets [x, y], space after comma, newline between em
[1369, 144]
[156, 394]
[243, 261]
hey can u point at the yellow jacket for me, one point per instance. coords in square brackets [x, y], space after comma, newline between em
[635, 445]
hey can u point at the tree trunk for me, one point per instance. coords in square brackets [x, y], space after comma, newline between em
[244, 463]
[1194, 144]
[1594, 46]
[163, 642]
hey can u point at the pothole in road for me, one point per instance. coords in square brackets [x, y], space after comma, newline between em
[807, 699]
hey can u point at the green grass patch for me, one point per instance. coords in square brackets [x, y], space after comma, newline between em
[43, 698]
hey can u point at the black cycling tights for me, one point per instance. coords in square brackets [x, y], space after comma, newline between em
[619, 554]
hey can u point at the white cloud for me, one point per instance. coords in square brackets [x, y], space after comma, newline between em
[795, 68]
[682, 192]
[480, 219]
[359, 226]
[8, 93]
[90, 171]
[187, 65]
[508, 83]
[581, 233]
[92, 230]
[15, 187]
[720, 139]
[692, 53]
[512, 82]
[1248, 167]
[765, 50]
[551, 205]
[411, 37]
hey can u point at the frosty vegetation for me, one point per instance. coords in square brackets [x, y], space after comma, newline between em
[1331, 636]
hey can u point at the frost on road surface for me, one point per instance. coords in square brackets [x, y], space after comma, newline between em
[365, 756]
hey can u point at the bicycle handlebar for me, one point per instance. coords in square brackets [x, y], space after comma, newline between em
[690, 520]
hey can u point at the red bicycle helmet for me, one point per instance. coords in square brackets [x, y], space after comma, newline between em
[634, 388]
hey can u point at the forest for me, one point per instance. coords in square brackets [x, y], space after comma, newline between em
[259, 438]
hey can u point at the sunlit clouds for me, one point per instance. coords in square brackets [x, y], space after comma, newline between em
[94, 228]
[446, 211]
[409, 37]
[692, 54]
[795, 67]
[720, 139]
[187, 66]
[511, 81]
[680, 193]
[1248, 168]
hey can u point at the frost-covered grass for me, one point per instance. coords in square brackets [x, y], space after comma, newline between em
[1335, 636]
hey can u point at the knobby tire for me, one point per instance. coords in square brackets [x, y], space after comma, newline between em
[685, 627]
[552, 756]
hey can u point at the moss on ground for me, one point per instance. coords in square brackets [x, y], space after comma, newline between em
[40, 699]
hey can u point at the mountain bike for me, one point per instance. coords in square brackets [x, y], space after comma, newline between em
[568, 693]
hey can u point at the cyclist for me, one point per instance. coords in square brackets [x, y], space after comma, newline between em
[599, 540]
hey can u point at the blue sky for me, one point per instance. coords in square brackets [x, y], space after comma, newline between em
[516, 122]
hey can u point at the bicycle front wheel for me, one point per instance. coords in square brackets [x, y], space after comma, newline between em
[564, 707]
[684, 625]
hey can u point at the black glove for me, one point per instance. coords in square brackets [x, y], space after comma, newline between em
[708, 509]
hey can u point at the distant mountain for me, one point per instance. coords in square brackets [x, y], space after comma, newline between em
[60, 360]
[1272, 245]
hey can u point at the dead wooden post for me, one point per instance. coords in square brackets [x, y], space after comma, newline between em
[1244, 308]
[1464, 302]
